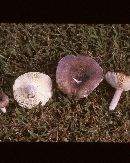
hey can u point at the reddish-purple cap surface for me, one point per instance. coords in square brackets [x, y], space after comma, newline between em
[4, 100]
[78, 75]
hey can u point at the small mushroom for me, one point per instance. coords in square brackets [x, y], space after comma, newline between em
[4, 100]
[120, 82]
[78, 75]
[32, 88]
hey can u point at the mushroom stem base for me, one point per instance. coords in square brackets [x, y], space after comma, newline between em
[115, 99]
[31, 91]
[3, 110]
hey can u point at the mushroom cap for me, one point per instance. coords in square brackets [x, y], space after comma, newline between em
[118, 80]
[4, 100]
[41, 82]
[78, 75]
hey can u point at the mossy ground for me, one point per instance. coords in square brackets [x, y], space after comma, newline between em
[39, 47]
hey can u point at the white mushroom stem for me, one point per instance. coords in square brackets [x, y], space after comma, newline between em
[77, 81]
[115, 99]
[31, 91]
[3, 110]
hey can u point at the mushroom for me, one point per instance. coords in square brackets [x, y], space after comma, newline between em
[78, 75]
[120, 82]
[4, 100]
[32, 88]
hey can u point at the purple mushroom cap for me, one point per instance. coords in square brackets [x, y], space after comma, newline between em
[78, 75]
[4, 100]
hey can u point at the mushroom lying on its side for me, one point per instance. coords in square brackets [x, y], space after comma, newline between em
[78, 75]
[120, 82]
[32, 88]
[4, 100]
